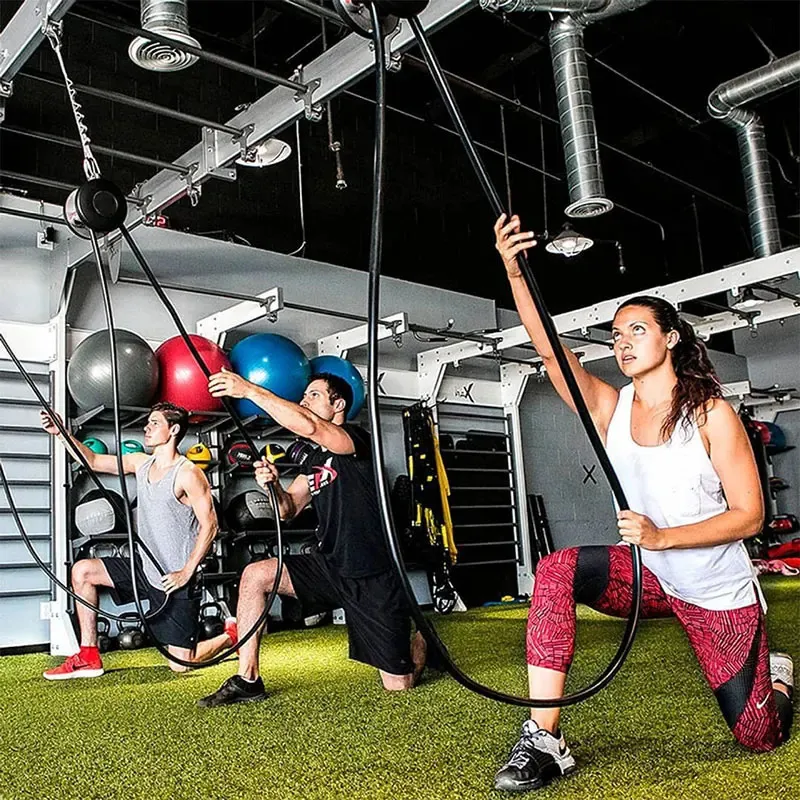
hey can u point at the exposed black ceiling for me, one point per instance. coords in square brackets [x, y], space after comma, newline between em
[667, 165]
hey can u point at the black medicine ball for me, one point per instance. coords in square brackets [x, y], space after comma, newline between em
[250, 510]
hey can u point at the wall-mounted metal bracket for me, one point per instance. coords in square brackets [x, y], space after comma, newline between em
[339, 344]
[217, 325]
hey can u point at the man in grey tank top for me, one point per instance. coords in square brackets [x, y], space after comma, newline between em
[176, 524]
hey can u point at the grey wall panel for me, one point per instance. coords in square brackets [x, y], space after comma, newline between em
[25, 442]
[34, 523]
[21, 624]
[11, 387]
[26, 469]
[32, 278]
[27, 416]
[27, 577]
[14, 551]
[28, 497]
[787, 465]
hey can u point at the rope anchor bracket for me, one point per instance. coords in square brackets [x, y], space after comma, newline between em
[312, 110]
[210, 154]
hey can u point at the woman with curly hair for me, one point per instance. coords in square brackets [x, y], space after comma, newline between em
[686, 466]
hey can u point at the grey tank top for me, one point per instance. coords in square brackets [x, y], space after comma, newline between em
[165, 525]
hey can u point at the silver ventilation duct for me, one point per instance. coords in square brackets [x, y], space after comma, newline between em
[724, 103]
[574, 94]
[576, 119]
[565, 6]
[592, 10]
[169, 18]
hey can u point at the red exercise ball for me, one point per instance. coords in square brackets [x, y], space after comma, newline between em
[182, 382]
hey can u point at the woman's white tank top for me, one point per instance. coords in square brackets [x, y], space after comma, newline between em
[676, 484]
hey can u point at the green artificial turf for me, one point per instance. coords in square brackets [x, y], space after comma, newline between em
[329, 731]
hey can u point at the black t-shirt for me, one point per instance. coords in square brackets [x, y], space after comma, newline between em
[344, 496]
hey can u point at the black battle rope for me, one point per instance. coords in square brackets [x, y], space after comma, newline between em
[372, 395]
[76, 451]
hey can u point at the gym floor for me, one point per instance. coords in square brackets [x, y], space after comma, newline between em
[329, 731]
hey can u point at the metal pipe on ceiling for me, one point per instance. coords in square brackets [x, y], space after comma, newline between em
[573, 92]
[512, 104]
[587, 193]
[18, 212]
[203, 55]
[34, 179]
[135, 102]
[725, 104]
[317, 10]
[108, 151]
[53, 184]
[486, 147]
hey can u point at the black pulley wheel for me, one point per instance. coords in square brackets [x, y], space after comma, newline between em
[98, 205]
[356, 16]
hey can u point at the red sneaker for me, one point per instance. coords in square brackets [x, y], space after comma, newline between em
[232, 631]
[83, 664]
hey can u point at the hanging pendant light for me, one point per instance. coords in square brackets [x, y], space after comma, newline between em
[568, 242]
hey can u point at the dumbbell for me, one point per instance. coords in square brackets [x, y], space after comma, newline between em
[209, 564]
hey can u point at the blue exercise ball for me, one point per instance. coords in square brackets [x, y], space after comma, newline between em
[272, 362]
[344, 369]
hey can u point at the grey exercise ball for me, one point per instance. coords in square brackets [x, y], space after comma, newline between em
[89, 371]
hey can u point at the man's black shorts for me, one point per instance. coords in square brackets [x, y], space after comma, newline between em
[376, 610]
[178, 623]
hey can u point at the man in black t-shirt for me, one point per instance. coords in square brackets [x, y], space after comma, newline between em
[351, 568]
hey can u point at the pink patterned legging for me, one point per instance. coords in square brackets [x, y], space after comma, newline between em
[731, 646]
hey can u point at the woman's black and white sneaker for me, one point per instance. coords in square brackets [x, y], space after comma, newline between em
[235, 690]
[535, 760]
[781, 669]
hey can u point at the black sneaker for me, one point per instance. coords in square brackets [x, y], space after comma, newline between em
[535, 760]
[235, 690]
